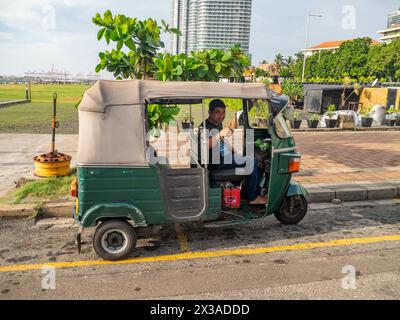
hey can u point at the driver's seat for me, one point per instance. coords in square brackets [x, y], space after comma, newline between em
[230, 175]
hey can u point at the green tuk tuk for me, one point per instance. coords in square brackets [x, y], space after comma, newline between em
[119, 189]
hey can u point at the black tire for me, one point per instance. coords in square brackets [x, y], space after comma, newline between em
[114, 240]
[298, 212]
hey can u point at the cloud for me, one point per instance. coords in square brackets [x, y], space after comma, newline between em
[29, 41]
[66, 51]
[23, 15]
[6, 36]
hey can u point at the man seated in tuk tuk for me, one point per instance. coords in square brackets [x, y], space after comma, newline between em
[216, 134]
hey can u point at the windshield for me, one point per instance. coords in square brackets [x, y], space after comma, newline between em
[258, 114]
[281, 127]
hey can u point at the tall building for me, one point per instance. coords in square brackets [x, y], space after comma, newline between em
[210, 24]
[180, 21]
[393, 28]
[394, 18]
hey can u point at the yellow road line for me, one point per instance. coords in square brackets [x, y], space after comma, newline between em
[207, 254]
[182, 238]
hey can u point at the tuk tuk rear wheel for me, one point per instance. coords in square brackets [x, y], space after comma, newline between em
[114, 240]
[293, 210]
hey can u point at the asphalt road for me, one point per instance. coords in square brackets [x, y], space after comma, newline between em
[350, 251]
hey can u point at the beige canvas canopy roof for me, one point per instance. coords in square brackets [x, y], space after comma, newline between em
[112, 115]
[135, 92]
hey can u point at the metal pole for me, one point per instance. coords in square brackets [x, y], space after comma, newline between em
[306, 43]
[190, 116]
[305, 49]
[203, 139]
[54, 124]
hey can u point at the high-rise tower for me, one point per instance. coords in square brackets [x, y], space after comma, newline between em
[210, 24]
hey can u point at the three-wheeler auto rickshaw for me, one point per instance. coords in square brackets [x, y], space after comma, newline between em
[118, 189]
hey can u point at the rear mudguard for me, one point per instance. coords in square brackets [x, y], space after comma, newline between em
[113, 211]
[296, 189]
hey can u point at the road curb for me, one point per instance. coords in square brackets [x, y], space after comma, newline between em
[63, 209]
[372, 129]
[353, 192]
[317, 194]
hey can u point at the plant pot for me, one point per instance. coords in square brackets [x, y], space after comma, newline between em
[330, 123]
[295, 124]
[367, 122]
[398, 122]
[391, 122]
[187, 125]
[313, 124]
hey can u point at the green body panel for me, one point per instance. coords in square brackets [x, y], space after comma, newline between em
[215, 205]
[129, 193]
[279, 177]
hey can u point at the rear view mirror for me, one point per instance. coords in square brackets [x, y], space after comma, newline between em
[278, 103]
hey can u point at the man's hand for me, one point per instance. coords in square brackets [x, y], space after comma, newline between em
[225, 133]
[233, 124]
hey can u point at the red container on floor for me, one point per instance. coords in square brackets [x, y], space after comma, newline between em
[231, 198]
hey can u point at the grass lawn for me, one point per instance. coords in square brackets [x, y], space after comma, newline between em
[40, 190]
[10, 92]
[35, 117]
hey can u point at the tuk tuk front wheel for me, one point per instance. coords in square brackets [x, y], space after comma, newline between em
[293, 210]
[114, 240]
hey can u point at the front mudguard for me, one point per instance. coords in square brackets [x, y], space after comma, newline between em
[296, 189]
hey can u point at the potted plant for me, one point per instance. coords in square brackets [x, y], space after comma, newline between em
[366, 117]
[159, 115]
[313, 121]
[186, 123]
[296, 120]
[391, 116]
[331, 123]
[261, 115]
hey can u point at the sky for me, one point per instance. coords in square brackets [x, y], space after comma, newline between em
[36, 34]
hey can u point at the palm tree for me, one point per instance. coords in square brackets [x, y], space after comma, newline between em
[289, 62]
[299, 56]
[279, 60]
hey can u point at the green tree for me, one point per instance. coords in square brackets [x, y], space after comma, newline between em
[279, 60]
[390, 55]
[293, 90]
[140, 39]
[261, 73]
[352, 58]
[238, 61]
[137, 53]
[207, 65]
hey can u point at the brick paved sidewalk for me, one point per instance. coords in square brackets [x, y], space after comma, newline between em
[346, 157]
[328, 157]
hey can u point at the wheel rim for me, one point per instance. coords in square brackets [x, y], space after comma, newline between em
[114, 241]
[297, 208]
